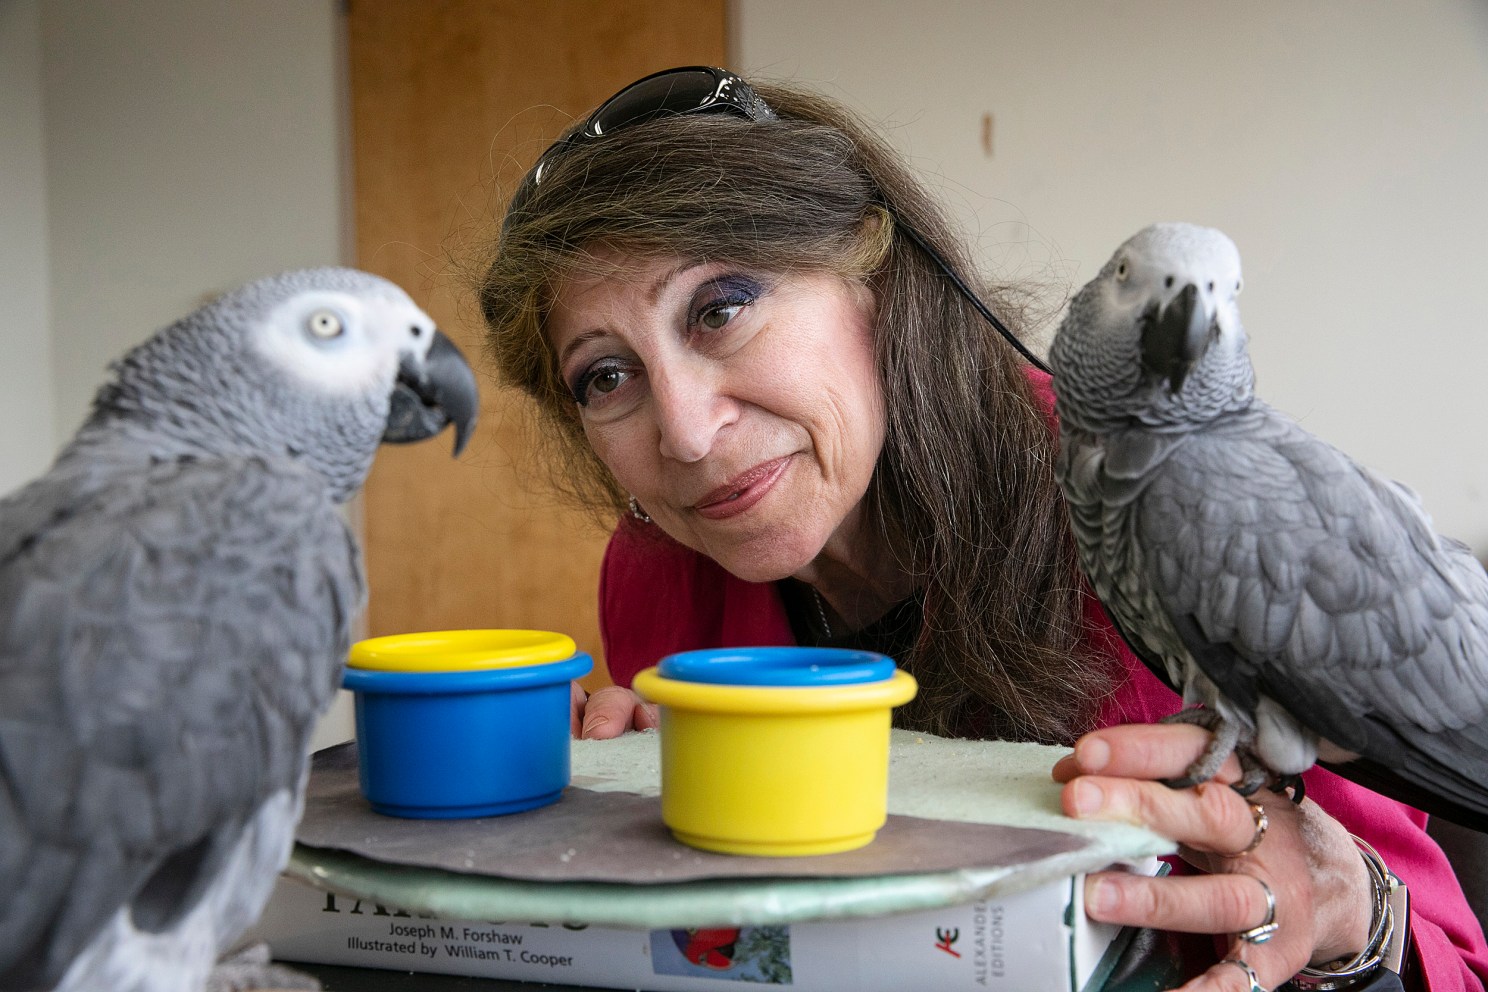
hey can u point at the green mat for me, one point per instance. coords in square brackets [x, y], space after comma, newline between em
[984, 816]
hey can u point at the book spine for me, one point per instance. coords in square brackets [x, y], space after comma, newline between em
[1035, 941]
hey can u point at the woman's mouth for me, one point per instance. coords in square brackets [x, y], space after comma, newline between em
[743, 491]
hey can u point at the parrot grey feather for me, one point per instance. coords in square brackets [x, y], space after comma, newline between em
[176, 601]
[127, 957]
[1253, 565]
[122, 747]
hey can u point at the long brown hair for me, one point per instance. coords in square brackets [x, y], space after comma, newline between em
[964, 486]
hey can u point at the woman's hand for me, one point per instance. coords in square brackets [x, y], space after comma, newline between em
[1321, 886]
[610, 712]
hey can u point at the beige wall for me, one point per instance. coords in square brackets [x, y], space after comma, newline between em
[160, 150]
[27, 437]
[163, 150]
[1341, 143]
[190, 146]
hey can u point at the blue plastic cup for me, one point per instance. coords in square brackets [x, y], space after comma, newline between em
[466, 742]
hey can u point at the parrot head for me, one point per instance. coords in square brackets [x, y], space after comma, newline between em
[320, 364]
[1158, 329]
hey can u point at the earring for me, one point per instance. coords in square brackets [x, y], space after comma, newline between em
[638, 513]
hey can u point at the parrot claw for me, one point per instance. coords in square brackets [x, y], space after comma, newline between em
[1298, 789]
[1186, 782]
[1224, 742]
[252, 968]
[1253, 773]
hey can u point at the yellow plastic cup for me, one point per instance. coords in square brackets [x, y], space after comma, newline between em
[460, 650]
[775, 770]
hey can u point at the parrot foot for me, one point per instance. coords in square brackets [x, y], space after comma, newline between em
[252, 968]
[1224, 742]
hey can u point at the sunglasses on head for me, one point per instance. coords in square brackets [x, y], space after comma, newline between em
[697, 89]
[692, 89]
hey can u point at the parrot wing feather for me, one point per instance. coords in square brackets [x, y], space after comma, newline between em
[199, 612]
[1289, 571]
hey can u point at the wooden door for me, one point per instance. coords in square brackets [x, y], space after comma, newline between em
[452, 100]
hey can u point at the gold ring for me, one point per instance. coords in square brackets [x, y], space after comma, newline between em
[1264, 930]
[1255, 983]
[1258, 813]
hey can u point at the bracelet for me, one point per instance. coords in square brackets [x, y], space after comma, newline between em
[1387, 933]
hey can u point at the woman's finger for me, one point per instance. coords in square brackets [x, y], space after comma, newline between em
[1219, 904]
[1184, 903]
[1233, 976]
[647, 716]
[1208, 817]
[612, 711]
[576, 699]
[1142, 750]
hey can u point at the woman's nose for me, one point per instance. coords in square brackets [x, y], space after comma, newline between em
[691, 411]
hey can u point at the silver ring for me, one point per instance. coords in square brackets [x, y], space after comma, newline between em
[1266, 929]
[1255, 983]
[1257, 813]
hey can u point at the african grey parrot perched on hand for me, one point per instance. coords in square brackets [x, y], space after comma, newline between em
[176, 601]
[1304, 600]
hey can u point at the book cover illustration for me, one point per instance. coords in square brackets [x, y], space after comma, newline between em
[743, 954]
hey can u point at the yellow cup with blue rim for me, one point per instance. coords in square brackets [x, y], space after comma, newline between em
[778, 751]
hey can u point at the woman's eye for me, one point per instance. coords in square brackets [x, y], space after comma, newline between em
[714, 318]
[721, 300]
[598, 382]
[606, 382]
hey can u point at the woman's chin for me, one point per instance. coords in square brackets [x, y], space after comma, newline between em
[763, 560]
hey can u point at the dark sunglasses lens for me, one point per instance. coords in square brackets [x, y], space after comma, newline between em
[674, 92]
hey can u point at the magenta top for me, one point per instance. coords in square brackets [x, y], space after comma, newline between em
[657, 597]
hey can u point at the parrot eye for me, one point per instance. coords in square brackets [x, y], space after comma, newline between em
[1122, 271]
[325, 325]
[1239, 285]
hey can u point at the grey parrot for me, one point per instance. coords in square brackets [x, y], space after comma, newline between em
[177, 596]
[1305, 601]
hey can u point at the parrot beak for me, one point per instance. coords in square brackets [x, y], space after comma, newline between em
[431, 392]
[1174, 337]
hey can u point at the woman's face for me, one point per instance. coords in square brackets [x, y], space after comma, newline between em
[742, 409]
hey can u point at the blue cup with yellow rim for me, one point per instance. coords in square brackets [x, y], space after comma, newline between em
[463, 723]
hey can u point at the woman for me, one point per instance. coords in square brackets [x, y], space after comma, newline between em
[739, 312]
